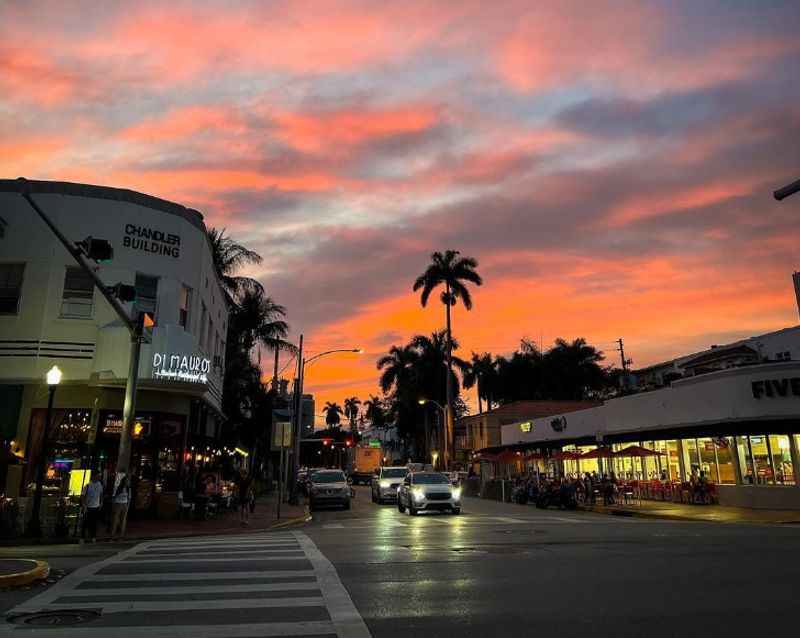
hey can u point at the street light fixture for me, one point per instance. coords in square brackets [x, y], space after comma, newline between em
[298, 403]
[53, 378]
[442, 422]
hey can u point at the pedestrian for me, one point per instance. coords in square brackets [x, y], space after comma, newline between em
[245, 495]
[91, 504]
[119, 508]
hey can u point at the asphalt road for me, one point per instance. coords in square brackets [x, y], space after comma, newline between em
[495, 570]
[510, 570]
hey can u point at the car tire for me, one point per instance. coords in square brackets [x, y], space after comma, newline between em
[456, 511]
[412, 510]
[400, 507]
[374, 500]
[346, 506]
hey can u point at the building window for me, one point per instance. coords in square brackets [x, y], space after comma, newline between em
[725, 447]
[184, 304]
[201, 328]
[10, 287]
[781, 459]
[77, 300]
[210, 336]
[146, 294]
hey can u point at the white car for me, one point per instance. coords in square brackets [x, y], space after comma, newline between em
[386, 483]
[426, 491]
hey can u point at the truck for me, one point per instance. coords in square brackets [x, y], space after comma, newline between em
[366, 460]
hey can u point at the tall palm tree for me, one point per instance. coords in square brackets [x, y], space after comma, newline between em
[431, 366]
[453, 272]
[333, 414]
[481, 373]
[229, 256]
[351, 410]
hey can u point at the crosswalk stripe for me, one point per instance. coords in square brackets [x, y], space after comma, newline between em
[190, 576]
[99, 592]
[187, 605]
[229, 559]
[216, 552]
[301, 628]
[143, 558]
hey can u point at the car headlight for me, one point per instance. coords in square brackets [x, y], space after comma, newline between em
[385, 484]
[456, 493]
[418, 493]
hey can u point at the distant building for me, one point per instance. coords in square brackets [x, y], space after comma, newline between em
[781, 345]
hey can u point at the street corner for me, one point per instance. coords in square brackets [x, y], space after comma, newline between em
[18, 572]
[295, 521]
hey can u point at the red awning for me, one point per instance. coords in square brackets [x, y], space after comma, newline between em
[638, 451]
[533, 456]
[598, 453]
[566, 456]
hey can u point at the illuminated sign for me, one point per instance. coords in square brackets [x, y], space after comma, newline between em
[526, 427]
[176, 367]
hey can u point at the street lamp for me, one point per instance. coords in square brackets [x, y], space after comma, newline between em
[53, 378]
[301, 367]
[442, 426]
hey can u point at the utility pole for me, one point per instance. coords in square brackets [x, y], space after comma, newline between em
[789, 189]
[298, 422]
[621, 350]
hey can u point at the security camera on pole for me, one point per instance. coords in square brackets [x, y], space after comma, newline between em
[101, 251]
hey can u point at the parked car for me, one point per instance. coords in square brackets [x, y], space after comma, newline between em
[329, 487]
[386, 483]
[425, 491]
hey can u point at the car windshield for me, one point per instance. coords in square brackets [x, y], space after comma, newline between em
[394, 472]
[431, 479]
[328, 477]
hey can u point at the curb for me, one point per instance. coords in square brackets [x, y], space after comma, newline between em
[299, 520]
[630, 513]
[39, 571]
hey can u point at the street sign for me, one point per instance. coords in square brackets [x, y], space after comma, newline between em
[374, 442]
[282, 434]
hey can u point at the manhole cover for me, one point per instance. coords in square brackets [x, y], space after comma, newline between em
[57, 617]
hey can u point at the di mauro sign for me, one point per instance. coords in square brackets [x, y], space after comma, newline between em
[176, 367]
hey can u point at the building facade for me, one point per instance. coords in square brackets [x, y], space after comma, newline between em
[50, 314]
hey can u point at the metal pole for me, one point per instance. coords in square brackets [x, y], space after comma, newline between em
[789, 189]
[129, 407]
[280, 482]
[35, 523]
[298, 421]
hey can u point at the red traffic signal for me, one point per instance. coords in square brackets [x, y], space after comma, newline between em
[349, 442]
[326, 441]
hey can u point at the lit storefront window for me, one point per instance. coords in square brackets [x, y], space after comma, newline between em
[764, 473]
[781, 458]
[707, 452]
[725, 468]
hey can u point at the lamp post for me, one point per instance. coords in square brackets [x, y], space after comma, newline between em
[789, 189]
[442, 427]
[298, 420]
[35, 525]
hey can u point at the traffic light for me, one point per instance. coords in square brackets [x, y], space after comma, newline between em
[349, 442]
[98, 250]
[124, 292]
[326, 442]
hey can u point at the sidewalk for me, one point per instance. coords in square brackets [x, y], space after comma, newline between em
[706, 513]
[226, 522]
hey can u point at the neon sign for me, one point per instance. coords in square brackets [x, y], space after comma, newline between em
[176, 367]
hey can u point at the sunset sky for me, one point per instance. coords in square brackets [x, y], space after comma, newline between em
[609, 165]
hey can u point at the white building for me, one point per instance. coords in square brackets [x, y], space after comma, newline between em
[51, 314]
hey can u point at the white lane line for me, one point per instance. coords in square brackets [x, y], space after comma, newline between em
[333, 526]
[229, 559]
[237, 543]
[187, 605]
[305, 628]
[189, 576]
[100, 592]
[507, 519]
[345, 616]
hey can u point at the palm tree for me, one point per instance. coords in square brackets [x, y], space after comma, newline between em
[454, 272]
[351, 409]
[333, 413]
[481, 372]
[397, 368]
[229, 256]
[374, 411]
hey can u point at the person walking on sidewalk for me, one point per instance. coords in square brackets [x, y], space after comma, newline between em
[92, 503]
[119, 508]
[244, 487]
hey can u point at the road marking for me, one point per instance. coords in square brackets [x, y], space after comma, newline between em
[345, 617]
[100, 592]
[302, 628]
[229, 559]
[190, 576]
[333, 526]
[138, 558]
[187, 605]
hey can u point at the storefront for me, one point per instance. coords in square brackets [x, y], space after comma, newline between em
[737, 428]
